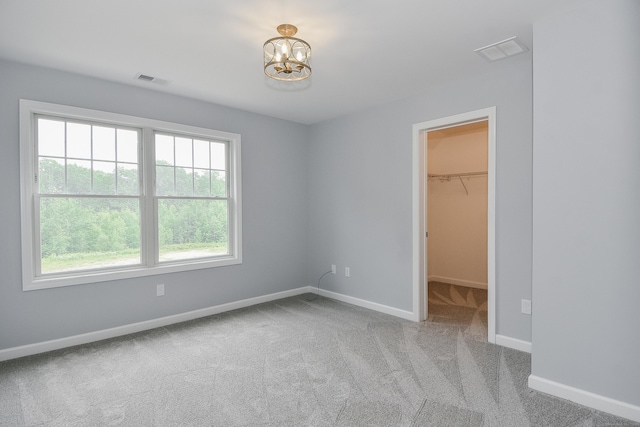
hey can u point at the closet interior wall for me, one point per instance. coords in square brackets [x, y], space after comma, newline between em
[457, 205]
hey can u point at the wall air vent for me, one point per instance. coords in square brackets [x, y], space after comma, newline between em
[150, 79]
[501, 50]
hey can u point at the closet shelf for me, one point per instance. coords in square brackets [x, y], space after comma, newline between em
[447, 177]
[455, 175]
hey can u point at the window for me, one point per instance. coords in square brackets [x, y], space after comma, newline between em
[192, 197]
[107, 196]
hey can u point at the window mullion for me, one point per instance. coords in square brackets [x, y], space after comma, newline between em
[149, 215]
[66, 160]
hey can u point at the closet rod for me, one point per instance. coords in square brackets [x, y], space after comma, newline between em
[452, 175]
[448, 176]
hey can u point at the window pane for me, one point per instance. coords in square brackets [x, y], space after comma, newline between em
[87, 233]
[127, 146]
[51, 176]
[128, 179]
[201, 154]
[165, 181]
[184, 152]
[184, 182]
[50, 138]
[164, 150]
[104, 178]
[218, 156]
[79, 176]
[104, 143]
[192, 229]
[218, 184]
[78, 141]
[201, 182]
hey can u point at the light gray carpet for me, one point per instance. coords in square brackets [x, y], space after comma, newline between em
[291, 362]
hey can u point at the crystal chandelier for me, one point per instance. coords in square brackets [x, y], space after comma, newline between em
[287, 58]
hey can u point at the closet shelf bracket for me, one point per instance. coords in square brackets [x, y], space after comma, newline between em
[465, 187]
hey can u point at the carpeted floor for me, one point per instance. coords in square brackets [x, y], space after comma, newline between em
[459, 305]
[291, 362]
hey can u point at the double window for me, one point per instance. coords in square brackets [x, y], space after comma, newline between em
[107, 196]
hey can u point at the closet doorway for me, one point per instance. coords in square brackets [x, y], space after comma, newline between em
[457, 178]
[454, 217]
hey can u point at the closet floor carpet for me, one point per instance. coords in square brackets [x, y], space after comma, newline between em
[466, 307]
[291, 362]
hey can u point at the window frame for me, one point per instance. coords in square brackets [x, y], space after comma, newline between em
[29, 110]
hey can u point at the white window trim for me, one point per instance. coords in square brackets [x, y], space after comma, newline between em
[28, 110]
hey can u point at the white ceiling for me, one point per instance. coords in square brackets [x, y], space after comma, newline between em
[365, 53]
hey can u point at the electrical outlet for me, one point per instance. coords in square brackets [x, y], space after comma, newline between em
[160, 290]
[525, 306]
[333, 269]
[347, 272]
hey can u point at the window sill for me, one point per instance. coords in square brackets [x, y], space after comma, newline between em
[87, 277]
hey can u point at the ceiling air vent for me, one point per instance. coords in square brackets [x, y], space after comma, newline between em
[501, 50]
[150, 79]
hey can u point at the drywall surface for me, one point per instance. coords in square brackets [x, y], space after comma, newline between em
[360, 187]
[457, 207]
[274, 157]
[459, 149]
[586, 206]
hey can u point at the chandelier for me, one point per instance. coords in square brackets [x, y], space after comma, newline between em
[287, 58]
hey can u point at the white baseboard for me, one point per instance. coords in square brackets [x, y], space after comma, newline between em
[459, 282]
[592, 400]
[41, 347]
[513, 343]
[407, 315]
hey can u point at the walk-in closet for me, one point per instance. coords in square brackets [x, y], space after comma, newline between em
[457, 198]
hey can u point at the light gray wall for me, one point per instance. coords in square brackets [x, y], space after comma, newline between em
[361, 196]
[274, 158]
[586, 238]
[336, 192]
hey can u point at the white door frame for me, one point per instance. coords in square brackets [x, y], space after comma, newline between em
[419, 155]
